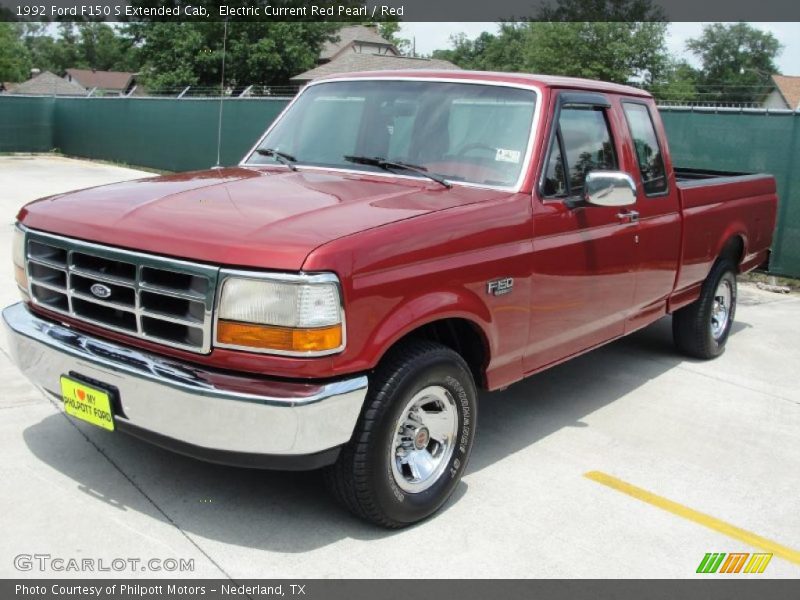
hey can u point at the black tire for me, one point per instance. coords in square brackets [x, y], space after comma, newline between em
[362, 479]
[692, 325]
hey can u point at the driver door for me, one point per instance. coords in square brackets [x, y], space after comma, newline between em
[584, 257]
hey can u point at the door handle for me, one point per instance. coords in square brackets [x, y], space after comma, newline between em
[628, 216]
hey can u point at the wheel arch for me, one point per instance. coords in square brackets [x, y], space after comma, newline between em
[462, 323]
[733, 246]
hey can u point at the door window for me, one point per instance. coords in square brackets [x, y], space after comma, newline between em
[582, 144]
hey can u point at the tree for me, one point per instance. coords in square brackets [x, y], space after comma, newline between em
[676, 83]
[190, 53]
[15, 63]
[613, 40]
[389, 31]
[737, 61]
[615, 51]
[602, 10]
[610, 51]
[101, 48]
[83, 45]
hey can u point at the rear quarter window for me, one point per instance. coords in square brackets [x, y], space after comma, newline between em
[648, 150]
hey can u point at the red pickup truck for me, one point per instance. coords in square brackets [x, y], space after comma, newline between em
[395, 242]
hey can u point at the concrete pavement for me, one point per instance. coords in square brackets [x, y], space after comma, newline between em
[718, 437]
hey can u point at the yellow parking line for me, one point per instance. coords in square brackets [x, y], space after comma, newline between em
[692, 515]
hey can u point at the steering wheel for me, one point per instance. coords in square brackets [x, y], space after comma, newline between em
[474, 146]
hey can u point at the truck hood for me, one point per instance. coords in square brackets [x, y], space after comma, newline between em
[265, 217]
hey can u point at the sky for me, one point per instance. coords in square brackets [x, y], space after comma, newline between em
[433, 36]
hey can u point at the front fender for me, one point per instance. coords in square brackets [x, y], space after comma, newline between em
[421, 310]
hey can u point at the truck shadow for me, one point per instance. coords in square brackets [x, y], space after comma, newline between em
[289, 512]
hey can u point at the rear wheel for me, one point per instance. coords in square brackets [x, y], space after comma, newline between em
[413, 440]
[701, 329]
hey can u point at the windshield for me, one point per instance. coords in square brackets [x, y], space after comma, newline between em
[460, 131]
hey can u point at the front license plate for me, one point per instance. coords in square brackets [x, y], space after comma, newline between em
[87, 403]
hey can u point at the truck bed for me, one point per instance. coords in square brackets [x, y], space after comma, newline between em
[718, 207]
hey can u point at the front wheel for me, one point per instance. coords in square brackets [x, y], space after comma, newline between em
[701, 329]
[413, 439]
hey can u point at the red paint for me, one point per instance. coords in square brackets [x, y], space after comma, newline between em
[409, 252]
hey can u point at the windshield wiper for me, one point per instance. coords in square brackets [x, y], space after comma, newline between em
[281, 157]
[388, 165]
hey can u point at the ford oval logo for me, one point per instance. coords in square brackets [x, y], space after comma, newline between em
[100, 290]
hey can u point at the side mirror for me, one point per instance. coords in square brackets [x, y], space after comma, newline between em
[609, 188]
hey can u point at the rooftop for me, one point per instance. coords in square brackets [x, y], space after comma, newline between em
[104, 80]
[353, 33]
[48, 84]
[789, 88]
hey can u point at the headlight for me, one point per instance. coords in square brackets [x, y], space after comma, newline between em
[298, 315]
[18, 256]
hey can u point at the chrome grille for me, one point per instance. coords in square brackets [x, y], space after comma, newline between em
[158, 299]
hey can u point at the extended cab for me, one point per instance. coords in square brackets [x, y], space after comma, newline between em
[394, 243]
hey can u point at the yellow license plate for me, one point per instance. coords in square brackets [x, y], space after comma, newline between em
[87, 403]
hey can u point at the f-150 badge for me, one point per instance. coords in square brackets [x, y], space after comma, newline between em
[498, 287]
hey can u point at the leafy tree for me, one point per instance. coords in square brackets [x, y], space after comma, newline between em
[602, 10]
[488, 52]
[100, 47]
[737, 61]
[190, 53]
[677, 82]
[15, 63]
[83, 45]
[611, 51]
[389, 30]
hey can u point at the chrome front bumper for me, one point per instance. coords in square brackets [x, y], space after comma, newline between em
[213, 415]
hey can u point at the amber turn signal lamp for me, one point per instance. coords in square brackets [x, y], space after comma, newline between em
[21, 277]
[269, 337]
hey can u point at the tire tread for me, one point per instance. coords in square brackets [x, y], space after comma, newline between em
[348, 478]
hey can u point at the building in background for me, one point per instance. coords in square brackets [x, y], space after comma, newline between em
[105, 83]
[361, 48]
[785, 94]
[48, 84]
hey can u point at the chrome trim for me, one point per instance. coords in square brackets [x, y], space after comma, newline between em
[183, 401]
[138, 285]
[524, 170]
[301, 277]
[609, 188]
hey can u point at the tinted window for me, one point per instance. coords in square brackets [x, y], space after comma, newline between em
[648, 152]
[587, 146]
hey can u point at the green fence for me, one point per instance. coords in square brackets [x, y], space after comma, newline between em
[26, 124]
[163, 133]
[181, 134]
[747, 141]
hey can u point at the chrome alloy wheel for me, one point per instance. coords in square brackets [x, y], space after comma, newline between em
[424, 439]
[721, 311]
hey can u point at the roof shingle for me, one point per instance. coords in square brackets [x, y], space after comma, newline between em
[789, 87]
[103, 80]
[47, 84]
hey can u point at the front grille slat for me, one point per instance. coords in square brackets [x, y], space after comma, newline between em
[150, 297]
[170, 319]
[144, 286]
[102, 277]
[107, 303]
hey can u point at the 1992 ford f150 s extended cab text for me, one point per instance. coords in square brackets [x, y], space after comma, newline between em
[395, 242]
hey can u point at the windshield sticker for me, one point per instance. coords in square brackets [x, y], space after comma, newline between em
[504, 155]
